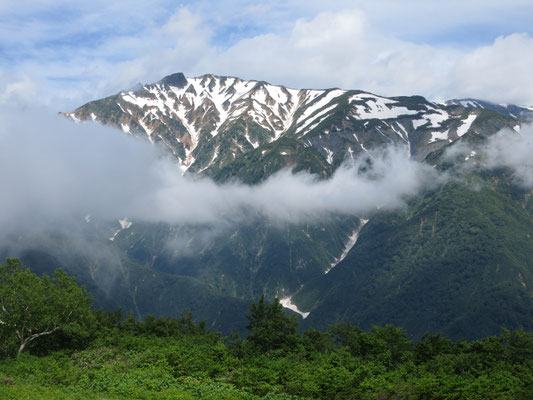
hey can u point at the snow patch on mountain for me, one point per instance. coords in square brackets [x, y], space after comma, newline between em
[147, 130]
[417, 123]
[314, 106]
[213, 158]
[471, 155]
[467, 123]
[220, 109]
[315, 117]
[124, 224]
[436, 117]
[286, 302]
[255, 145]
[377, 107]
[329, 157]
[352, 239]
[142, 102]
[439, 136]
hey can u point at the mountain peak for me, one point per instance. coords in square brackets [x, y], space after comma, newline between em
[177, 80]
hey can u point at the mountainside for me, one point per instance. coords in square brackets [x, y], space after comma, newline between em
[525, 113]
[455, 260]
[211, 123]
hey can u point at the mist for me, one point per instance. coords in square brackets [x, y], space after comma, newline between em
[382, 180]
[512, 150]
[55, 172]
[509, 149]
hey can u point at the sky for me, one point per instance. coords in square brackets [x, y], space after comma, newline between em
[61, 54]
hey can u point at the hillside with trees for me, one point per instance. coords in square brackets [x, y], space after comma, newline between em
[78, 352]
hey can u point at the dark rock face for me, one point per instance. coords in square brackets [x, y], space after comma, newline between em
[176, 80]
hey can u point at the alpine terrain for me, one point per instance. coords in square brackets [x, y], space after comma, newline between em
[456, 260]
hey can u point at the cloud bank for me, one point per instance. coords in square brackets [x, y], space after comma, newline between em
[55, 172]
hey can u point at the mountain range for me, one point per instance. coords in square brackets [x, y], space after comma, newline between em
[455, 260]
[210, 121]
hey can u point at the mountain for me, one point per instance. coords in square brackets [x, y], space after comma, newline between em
[212, 123]
[524, 113]
[455, 260]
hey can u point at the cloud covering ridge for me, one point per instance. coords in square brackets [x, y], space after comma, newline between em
[56, 170]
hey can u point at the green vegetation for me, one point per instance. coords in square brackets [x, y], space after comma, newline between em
[257, 165]
[116, 357]
[32, 307]
[456, 262]
[219, 281]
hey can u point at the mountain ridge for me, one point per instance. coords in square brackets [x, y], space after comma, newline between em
[209, 121]
[236, 130]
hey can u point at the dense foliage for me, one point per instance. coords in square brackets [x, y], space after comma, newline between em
[32, 307]
[456, 261]
[119, 357]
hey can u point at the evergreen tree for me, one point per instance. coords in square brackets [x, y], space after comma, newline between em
[271, 328]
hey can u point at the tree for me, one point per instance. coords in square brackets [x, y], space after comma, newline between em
[271, 328]
[32, 307]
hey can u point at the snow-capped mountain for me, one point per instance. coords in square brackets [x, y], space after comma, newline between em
[522, 112]
[210, 121]
[451, 255]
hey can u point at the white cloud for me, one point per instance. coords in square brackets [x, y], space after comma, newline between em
[500, 72]
[507, 149]
[388, 47]
[342, 49]
[56, 172]
[286, 197]
[336, 49]
[512, 150]
[18, 89]
[183, 22]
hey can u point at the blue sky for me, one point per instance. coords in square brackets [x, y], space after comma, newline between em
[63, 53]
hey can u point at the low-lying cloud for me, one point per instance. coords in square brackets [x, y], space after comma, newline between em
[381, 181]
[508, 149]
[54, 171]
[54, 174]
[512, 150]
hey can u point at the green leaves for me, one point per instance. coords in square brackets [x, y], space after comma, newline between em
[346, 363]
[456, 261]
[166, 358]
[33, 307]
